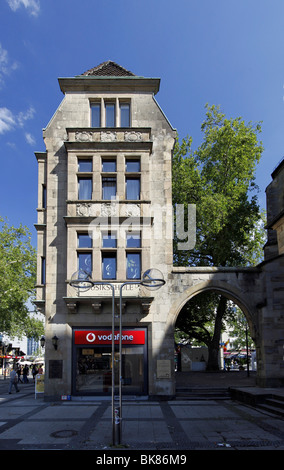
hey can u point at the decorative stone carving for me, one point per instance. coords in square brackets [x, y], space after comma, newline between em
[108, 209]
[83, 209]
[83, 136]
[132, 210]
[108, 136]
[132, 136]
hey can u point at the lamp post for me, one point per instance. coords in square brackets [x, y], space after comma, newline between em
[152, 279]
[83, 282]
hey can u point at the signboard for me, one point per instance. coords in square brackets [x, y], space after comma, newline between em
[104, 337]
[163, 369]
[100, 290]
[39, 384]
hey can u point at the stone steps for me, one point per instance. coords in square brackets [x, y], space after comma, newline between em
[202, 393]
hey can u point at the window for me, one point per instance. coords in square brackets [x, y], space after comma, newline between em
[96, 115]
[108, 187]
[84, 240]
[124, 115]
[133, 265]
[133, 188]
[85, 261]
[44, 196]
[42, 280]
[109, 240]
[132, 166]
[108, 265]
[109, 166]
[85, 165]
[85, 188]
[132, 169]
[84, 257]
[104, 113]
[85, 180]
[110, 114]
[133, 240]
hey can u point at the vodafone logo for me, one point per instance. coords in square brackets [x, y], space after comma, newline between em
[104, 337]
[91, 337]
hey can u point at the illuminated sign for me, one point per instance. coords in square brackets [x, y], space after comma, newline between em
[104, 337]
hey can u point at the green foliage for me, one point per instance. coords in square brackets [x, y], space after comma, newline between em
[17, 282]
[219, 177]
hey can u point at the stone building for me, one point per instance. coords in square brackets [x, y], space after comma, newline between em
[104, 195]
[105, 208]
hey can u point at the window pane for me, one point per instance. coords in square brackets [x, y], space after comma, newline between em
[109, 166]
[132, 165]
[133, 188]
[84, 240]
[96, 115]
[110, 115]
[109, 188]
[133, 240]
[133, 265]
[109, 241]
[85, 262]
[125, 115]
[42, 270]
[85, 165]
[109, 266]
[85, 188]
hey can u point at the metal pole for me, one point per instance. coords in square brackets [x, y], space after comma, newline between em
[112, 369]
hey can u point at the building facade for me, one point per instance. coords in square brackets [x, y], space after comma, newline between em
[105, 210]
[104, 207]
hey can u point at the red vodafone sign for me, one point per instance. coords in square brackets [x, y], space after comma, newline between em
[104, 337]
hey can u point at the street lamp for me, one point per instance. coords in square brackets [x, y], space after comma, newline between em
[82, 281]
[152, 279]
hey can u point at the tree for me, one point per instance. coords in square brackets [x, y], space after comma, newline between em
[219, 177]
[17, 282]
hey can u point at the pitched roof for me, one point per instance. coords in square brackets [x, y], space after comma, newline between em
[107, 69]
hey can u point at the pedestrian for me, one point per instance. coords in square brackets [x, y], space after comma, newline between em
[13, 380]
[40, 369]
[19, 371]
[34, 371]
[25, 374]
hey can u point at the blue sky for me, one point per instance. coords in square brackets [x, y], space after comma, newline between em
[222, 52]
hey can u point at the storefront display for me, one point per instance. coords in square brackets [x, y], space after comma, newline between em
[92, 365]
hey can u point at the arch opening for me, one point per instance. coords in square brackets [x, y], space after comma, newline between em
[228, 340]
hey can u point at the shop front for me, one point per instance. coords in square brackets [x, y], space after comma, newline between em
[92, 361]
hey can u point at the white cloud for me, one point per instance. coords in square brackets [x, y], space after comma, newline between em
[25, 116]
[29, 138]
[10, 121]
[7, 120]
[33, 6]
[6, 66]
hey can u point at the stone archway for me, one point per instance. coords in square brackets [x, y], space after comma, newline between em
[238, 291]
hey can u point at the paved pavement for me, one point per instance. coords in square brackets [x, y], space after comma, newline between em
[29, 423]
